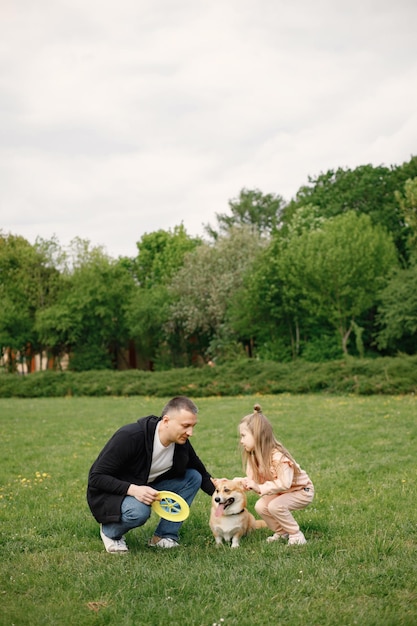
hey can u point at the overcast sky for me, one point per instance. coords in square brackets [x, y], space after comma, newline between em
[119, 118]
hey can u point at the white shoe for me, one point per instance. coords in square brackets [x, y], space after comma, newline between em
[113, 545]
[164, 542]
[297, 539]
[277, 537]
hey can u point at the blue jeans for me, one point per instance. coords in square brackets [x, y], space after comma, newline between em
[135, 513]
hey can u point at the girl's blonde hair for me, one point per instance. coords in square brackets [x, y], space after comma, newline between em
[265, 445]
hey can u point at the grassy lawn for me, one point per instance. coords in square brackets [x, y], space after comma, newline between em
[358, 567]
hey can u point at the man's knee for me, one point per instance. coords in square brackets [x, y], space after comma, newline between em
[135, 511]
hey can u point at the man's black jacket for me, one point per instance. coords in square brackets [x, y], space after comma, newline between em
[126, 459]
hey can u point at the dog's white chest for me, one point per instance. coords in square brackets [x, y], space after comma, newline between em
[229, 526]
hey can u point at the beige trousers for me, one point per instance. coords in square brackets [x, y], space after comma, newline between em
[275, 509]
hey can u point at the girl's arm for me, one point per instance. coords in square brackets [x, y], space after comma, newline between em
[283, 482]
[247, 481]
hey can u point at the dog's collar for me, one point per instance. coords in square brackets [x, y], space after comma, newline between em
[238, 513]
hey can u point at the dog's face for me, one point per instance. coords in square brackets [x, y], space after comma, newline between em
[228, 498]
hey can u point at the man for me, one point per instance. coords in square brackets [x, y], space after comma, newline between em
[141, 459]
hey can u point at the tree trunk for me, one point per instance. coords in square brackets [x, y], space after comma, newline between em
[345, 334]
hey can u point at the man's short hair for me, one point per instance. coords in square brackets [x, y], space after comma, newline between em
[179, 403]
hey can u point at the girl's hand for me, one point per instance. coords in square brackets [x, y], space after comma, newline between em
[250, 484]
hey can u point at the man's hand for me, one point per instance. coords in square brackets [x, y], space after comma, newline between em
[143, 493]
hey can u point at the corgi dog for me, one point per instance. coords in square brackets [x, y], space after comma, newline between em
[229, 518]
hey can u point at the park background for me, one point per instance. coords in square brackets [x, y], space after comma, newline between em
[308, 308]
[328, 275]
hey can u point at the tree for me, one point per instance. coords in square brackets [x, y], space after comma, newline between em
[397, 312]
[251, 208]
[28, 283]
[267, 311]
[339, 269]
[407, 203]
[366, 189]
[88, 319]
[160, 256]
[204, 286]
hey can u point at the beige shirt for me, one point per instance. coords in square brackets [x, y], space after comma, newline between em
[282, 470]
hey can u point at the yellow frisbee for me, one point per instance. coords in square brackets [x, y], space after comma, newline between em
[171, 506]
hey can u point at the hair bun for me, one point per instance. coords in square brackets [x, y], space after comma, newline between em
[257, 408]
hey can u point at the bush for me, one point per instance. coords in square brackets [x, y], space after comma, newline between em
[89, 357]
[325, 348]
[386, 375]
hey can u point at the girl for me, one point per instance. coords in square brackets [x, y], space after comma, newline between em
[272, 472]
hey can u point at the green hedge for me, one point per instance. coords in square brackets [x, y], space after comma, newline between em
[358, 376]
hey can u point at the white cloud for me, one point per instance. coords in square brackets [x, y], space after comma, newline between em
[120, 118]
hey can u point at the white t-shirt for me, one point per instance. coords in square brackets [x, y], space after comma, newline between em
[162, 458]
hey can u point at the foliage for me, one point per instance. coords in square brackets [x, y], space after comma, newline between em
[265, 312]
[147, 313]
[205, 285]
[273, 348]
[366, 189]
[398, 312]
[275, 281]
[338, 269]
[161, 254]
[358, 566]
[318, 277]
[224, 346]
[28, 284]
[407, 202]
[384, 375]
[252, 208]
[322, 348]
[88, 319]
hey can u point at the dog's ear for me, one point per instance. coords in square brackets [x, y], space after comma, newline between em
[217, 481]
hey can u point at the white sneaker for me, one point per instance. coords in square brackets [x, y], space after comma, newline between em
[277, 537]
[297, 539]
[164, 542]
[113, 545]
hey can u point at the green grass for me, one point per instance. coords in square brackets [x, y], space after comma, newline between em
[358, 567]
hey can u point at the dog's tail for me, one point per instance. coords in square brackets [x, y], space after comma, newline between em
[259, 523]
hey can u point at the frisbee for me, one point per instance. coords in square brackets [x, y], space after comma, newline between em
[171, 506]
